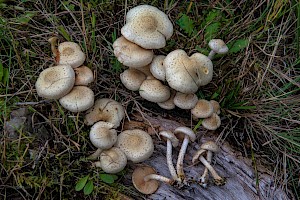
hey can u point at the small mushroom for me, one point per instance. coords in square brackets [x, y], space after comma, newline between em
[157, 68]
[102, 135]
[70, 53]
[145, 179]
[81, 98]
[185, 101]
[136, 144]
[169, 104]
[212, 123]
[217, 46]
[55, 82]
[216, 106]
[132, 79]
[83, 76]
[203, 109]
[53, 43]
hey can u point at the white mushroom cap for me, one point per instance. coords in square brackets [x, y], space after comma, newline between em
[132, 79]
[102, 135]
[169, 104]
[147, 26]
[210, 146]
[218, 46]
[153, 90]
[130, 54]
[113, 160]
[186, 131]
[83, 75]
[216, 106]
[204, 68]
[107, 110]
[212, 123]
[169, 135]
[55, 82]
[70, 53]
[203, 109]
[157, 68]
[80, 98]
[136, 144]
[145, 70]
[185, 101]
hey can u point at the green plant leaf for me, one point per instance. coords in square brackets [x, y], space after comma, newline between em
[81, 183]
[5, 76]
[186, 24]
[64, 33]
[212, 30]
[88, 188]
[238, 45]
[107, 178]
[1, 71]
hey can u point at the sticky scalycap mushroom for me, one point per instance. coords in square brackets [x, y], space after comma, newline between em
[83, 75]
[212, 123]
[70, 53]
[132, 79]
[185, 101]
[202, 109]
[55, 82]
[102, 135]
[217, 46]
[157, 68]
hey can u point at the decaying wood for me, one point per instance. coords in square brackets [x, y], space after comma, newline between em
[238, 170]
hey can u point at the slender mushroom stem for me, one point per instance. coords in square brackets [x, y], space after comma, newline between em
[170, 162]
[180, 159]
[218, 180]
[158, 178]
[53, 41]
[95, 155]
[204, 177]
[211, 54]
[197, 155]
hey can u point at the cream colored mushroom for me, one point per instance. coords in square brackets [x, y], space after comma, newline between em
[70, 53]
[212, 123]
[185, 101]
[203, 109]
[83, 75]
[217, 46]
[132, 79]
[169, 104]
[157, 68]
[216, 106]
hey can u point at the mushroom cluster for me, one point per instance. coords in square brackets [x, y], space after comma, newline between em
[68, 80]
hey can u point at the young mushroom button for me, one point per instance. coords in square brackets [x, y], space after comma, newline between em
[132, 79]
[83, 75]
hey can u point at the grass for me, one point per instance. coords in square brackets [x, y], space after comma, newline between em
[257, 84]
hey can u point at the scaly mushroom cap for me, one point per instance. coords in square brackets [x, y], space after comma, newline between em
[169, 104]
[132, 79]
[147, 26]
[185, 101]
[216, 106]
[81, 98]
[70, 53]
[55, 82]
[186, 131]
[218, 46]
[136, 144]
[153, 90]
[144, 187]
[204, 68]
[113, 160]
[169, 135]
[83, 75]
[203, 109]
[210, 146]
[130, 54]
[157, 68]
[145, 70]
[102, 135]
[212, 123]
[107, 110]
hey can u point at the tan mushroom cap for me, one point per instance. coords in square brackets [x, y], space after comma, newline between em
[145, 187]
[55, 82]
[157, 68]
[204, 68]
[185, 101]
[102, 135]
[169, 104]
[170, 135]
[212, 123]
[218, 46]
[145, 70]
[113, 160]
[216, 106]
[210, 146]
[81, 98]
[130, 54]
[186, 131]
[203, 109]
[147, 26]
[153, 90]
[107, 110]
[136, 144]
[132, 79]
[83, 75]
[70, 53]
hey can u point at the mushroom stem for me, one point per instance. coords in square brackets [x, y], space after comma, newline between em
[197, 155]
[95, 155]
[97, 164]
[170, 162]
[181, 154]
[204, 177]
[218, 180]
[211, 54]
[53, 42]
[158, 178]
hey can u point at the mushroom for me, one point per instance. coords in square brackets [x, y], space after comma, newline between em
[203, 109]
[55, 82]
[185, 101]
[216, 106]
[70, 53]
[83, 75]
[153, 90]
[145, 179]
[130, 54]
[188, 135]
[171, 141]
[136, 144]
[157, 68]
[169, 104]
[107, 110]
[145, 70]
[81, 98]
[132, 79]
[217, 46]
[212, 123]
[53, 43]
[112, 160]
[147, 27]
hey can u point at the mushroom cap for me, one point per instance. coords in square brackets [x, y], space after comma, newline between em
[147, 26]
[132, 79]
[185, 101]
[218, 46]
[186, 131]
[102, 135]
[212, 123]
[204, 69]
[216, 106]
[83, 75]
[210, 146]
[113, 160]
[107, 110]
[136, 144]
[145, 70]
[203, 109]
[169, 104]
[55, 82]
[80, 98]
[169, 135]
[153, 90]
[130, 54]
[145, 187]
[70, 53]
[157, 68]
